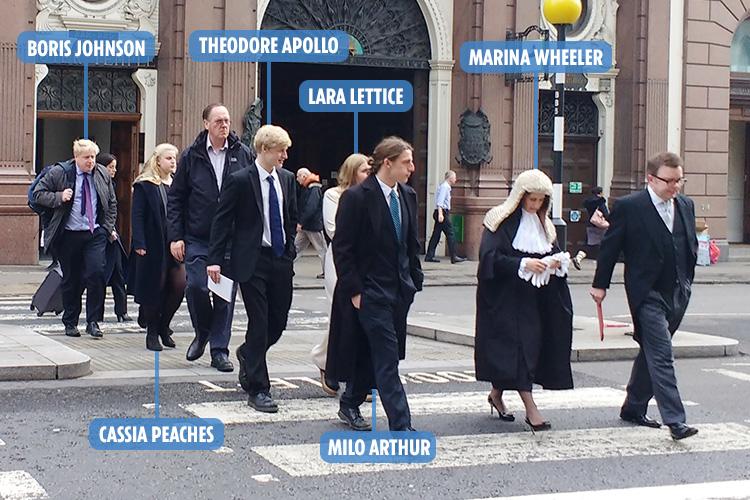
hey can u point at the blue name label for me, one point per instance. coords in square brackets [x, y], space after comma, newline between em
[346, 96]
[378, 447]
[269, 45]
[120, 434]
[86, 47]
[536, 57]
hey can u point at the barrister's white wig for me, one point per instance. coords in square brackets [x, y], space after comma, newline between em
[529, 181]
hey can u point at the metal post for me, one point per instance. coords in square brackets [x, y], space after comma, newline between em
[557, 154]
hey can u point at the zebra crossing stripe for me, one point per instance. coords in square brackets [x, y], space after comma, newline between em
[442, 403]
[19, 485]
[729, 373]
[524, 447]
[700, 491]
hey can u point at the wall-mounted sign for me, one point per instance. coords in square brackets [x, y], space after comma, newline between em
[575, 187]
[575, 215]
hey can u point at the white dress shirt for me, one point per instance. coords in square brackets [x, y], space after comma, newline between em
[217, 159]
[664, 207]
[264, 191]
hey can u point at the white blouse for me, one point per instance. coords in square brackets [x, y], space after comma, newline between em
[330, 206]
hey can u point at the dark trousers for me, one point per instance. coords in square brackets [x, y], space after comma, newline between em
[653, 372]
[116, 279]
[445, 227]
[210, 320]
[172, 286]
[267, 296]
[81, 255]
[379, 322]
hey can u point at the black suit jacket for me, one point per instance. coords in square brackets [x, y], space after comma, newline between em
[637, 230]
[364, 228]
[239, 216]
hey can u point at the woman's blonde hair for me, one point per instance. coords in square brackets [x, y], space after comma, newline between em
[151, 172]
[348, 170]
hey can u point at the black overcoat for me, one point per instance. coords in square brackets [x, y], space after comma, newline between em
[517, 324]
[363, 228]
[146, 273]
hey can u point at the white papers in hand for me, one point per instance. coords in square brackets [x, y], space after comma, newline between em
[223, 288]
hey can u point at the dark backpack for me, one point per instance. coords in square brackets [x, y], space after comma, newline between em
[45, 213]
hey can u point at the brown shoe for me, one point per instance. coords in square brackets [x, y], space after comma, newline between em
[329, 386]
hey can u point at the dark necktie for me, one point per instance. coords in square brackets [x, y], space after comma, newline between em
[395, 209]
[274, 219]
[87, 208]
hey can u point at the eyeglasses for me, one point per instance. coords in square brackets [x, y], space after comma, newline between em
[676, 182]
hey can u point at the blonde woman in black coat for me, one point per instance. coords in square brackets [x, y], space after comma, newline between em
[155, 279]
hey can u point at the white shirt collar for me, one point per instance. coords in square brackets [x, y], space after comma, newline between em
[263, 173]
[656, 199]
[211, 149]
[386, 188]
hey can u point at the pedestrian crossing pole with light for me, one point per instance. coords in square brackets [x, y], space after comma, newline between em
[560, 13]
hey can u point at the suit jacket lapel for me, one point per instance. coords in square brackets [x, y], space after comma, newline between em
[406, 211]
[374, 196]
[255, 183]
[653, 222]
[283, 180]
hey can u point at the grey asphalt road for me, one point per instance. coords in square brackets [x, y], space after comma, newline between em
[45, 428]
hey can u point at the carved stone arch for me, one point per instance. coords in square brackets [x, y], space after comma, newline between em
[437, 30]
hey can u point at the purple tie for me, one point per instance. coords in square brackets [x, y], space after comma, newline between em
[86, 208]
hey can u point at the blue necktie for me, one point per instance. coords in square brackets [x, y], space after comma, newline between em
[395, 209]
[277, 232]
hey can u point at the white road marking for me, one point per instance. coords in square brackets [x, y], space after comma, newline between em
[2, 443]
[517, 448]
[214, 387]
[729, 373]
[699, 491]
[224, 449]
[447, 403]
[264, 478]
[735, 364]
[19, 485]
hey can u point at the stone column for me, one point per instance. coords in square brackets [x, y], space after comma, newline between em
[146, 80]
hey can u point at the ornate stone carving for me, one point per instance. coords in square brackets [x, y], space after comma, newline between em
[474, 144]
[110, 90]
[106, 15]
[581, 114]
[390, 32]
[251, 122]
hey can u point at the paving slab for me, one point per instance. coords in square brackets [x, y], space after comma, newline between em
[618, 343]
[27, 355]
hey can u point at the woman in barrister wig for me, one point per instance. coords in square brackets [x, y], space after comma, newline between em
[524, 324]
[155, 279]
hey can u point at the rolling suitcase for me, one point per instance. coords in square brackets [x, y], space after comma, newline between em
[48, 297]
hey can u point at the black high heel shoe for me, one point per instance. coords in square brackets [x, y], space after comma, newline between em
[544, 426]
[502, 415]
[124, 317]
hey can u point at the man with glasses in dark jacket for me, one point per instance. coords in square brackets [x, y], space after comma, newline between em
[216, 153]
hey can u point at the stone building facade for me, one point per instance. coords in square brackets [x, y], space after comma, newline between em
[679, 83]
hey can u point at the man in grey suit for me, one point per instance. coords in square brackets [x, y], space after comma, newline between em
[655, 230]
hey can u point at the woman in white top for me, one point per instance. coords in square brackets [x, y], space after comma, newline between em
[524, 323]
[354, 170]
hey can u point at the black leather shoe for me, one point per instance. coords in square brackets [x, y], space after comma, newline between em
[244, 383]
[431, 259]
[72, 331]
[196, 348]
[123, 318]
[93, 330]
[353, 418]
[330, 387]
[456, 260]
[642, 420]
[166, 340]
[263, 402]
[681, 431]
[544, 426]
[221, 362]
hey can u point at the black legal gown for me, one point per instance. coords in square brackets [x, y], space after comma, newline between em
[523, 333]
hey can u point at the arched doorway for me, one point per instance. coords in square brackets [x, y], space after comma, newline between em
[738, 171]
[389, 40]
